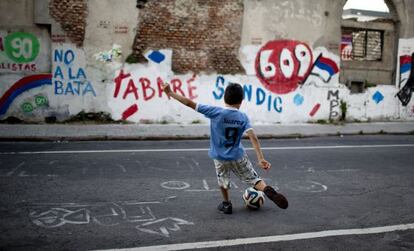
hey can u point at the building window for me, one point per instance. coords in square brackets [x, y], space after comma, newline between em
[362, 45]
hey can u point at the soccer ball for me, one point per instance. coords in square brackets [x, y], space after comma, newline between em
[253, 198]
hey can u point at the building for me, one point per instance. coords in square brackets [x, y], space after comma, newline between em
[299, 60]
[365, 15]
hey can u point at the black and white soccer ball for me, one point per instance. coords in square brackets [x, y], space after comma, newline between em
[253, 198]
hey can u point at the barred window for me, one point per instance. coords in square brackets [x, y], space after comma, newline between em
[366, 44]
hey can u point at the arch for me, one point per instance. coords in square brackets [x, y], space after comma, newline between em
[393, 10]
[390, 5]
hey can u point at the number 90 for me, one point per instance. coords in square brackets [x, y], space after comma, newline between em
[21, 47]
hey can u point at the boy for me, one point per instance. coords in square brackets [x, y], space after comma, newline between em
[227, 126]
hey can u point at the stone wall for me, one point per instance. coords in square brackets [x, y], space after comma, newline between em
[205, 35]
[71, 15]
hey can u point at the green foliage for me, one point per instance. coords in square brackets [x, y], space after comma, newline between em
[146, 121]
[132, 59]
[85, 117]
[197, 121]
[11, 120]
[50, 120]
[369, 85]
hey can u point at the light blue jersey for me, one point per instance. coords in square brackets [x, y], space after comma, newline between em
[227, 127]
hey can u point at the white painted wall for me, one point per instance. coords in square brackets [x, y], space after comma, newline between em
[377, 103]
[81, 82]
[30, 53]
[72, 91]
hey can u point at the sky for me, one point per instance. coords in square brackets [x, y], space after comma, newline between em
[375, 5]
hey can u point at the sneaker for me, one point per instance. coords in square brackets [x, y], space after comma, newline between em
[276, 197]
[225, 207]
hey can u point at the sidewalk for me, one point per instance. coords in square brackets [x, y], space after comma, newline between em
[156, 131]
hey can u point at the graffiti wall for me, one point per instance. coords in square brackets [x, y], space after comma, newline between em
[72, 88]
[63, 91]
[69, 75]
[16, 97]
[405, 76]
[24, 52]
[286, 81]
[24, 73]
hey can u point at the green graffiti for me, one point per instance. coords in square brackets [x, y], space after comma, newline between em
[21, 47]
[27, 107]
[41, 101]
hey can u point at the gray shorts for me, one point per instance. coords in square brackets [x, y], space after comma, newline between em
[242, 168]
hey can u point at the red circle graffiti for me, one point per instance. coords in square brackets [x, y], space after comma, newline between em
[282, 64]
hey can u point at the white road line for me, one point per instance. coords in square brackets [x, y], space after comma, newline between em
[15, 169]
[123, 169]
[274, 238]
[206, 149]
[205, 185]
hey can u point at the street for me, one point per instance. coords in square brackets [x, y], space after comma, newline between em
[97, 195]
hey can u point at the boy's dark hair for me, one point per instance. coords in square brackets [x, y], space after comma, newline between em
[234, 94]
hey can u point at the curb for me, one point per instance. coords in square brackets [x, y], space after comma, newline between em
[57, 132]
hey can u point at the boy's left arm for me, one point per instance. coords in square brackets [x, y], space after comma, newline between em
[255, 142]
[186, 101]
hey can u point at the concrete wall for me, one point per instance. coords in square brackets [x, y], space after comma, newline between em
[288, 53]
[373, 72]
[266, 20]
[25, 65]
[41, 12]
[384, 71]
[16, 13]
[110, 22]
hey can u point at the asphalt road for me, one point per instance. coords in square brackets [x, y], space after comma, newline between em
[345, 193]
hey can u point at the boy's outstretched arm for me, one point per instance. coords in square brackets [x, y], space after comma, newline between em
[255, 142]
[186, 101]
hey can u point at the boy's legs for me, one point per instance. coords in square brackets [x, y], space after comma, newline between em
[260, 185]
[223, 179]
[225, 206]
[276, 197]
[244, 170]
[225, 193]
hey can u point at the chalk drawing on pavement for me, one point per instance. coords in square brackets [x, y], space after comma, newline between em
[138, 213]
[175, 185]
[182, 185]
[306, 186]
[163, 226]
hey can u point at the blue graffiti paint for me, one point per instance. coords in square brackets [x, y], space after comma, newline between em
[298, 99]
[260, 97]
[156, 56]
[220, 88]
[58, 73]
[66, 57]
[21, 86]
[80, 74]
[378, 97]
[247, 92]
[75, 88]
[69, 79]
[277, 104]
